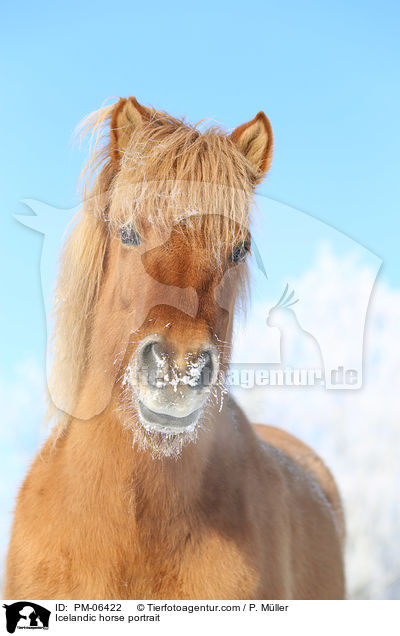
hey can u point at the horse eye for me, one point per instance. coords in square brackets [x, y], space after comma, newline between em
[239, 253]
[129, 236]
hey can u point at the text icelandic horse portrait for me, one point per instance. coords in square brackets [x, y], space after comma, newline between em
[153, 484]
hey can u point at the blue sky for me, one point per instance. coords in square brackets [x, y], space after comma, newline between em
[326, 74]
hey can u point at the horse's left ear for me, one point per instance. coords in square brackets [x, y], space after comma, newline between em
[254, 139]
[127, 116]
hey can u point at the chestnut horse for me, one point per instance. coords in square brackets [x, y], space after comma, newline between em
[154, 484]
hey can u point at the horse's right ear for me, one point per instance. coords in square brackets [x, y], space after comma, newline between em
[127, 115]
[255, 142]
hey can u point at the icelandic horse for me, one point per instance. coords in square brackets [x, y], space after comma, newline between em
[153, 484]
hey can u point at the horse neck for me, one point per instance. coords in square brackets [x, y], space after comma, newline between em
[102, 452]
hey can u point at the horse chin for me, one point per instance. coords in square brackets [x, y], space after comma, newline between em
[167, 424]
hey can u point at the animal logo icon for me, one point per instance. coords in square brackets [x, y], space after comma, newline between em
[298, 347]
[26, 615]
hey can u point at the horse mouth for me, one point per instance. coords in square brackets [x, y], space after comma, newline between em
[164, 423]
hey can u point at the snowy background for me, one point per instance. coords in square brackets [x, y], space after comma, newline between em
[356, 432]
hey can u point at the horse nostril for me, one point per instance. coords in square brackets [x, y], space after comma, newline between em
[159, 368]
[200, 371]
[153, 353]
[154, 360]
[207, 371]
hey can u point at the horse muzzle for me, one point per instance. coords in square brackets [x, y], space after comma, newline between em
[171, 388]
